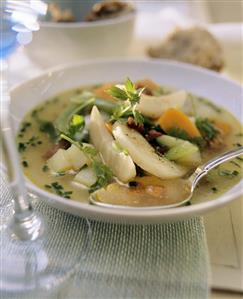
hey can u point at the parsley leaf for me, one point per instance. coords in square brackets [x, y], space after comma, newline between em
[130, 97]
[208, 131]
[76, 126]
[228, 173]
[48, 128]
[58, 189]
[103, 173]
[182, 134]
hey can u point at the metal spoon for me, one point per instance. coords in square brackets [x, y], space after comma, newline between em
[190, 182]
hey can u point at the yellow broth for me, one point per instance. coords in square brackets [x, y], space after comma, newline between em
[212, 186]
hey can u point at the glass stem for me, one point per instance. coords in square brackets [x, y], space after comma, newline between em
[25, 224]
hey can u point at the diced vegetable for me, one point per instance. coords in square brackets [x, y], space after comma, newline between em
[144, 155]
[101, 92]
[62, 123]
[168, 141]
[224, 127]
[59, 161]
[174, 118]
[181, 151]
[152, 106]
[86, 177]
[186, 154]
[148, 84]
[76, 157]
[121, 164]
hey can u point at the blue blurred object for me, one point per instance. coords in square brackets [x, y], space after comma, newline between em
[18, 20]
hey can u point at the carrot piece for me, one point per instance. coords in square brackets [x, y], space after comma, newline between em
[173, 118]
[151, 85]
[148, 180]
[101, 92]
[223, 127]
[109, 127]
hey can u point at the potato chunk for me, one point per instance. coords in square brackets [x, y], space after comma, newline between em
[76, 157]
[59, 161]
[86, 177]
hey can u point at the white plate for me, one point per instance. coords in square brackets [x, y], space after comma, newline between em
[197, 80]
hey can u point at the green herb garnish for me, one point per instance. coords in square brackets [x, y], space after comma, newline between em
[103, 174]
[239, 158]
[76, 127]
[21, 147]
[182, 134]
[48, 128]
[58, 189]
[45, 168]
[237, 144]
[130, 97]
[25, 164]
[228, 173]
[24, 127]
[214, 189]
[236, 164]
[33, 141]
[208, 131]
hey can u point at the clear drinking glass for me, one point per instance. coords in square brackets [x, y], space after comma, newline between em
[40, 252]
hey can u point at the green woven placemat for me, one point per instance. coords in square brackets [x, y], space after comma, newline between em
[166, 261]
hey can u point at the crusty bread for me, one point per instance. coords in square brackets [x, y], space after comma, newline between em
[194, 45]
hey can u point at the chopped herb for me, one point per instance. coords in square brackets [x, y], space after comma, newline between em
[89, 150]
[228, 173]
[182, 134]
[236, 164]
[60, 174]
[45, 168]
[33, 141]
[103, 173]
[214, 189]
[21, 147]
[188, 203]
[85, 148]
[48, 128]
[76, 126]
[239, 158]
[237, 144]
[58, 189]
[179, 133]
[25, 164]
[24, 127]
[208, 131]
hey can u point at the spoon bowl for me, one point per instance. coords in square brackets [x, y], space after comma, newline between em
[186, 186]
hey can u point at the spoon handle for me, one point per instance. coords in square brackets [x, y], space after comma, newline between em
[202, 170]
